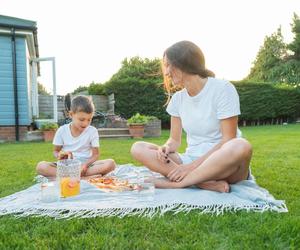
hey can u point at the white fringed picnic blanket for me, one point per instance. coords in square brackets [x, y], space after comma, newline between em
[91, 202]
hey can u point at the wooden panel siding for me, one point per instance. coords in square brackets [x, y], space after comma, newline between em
[7, 109]
[46, 106]
[100, 102]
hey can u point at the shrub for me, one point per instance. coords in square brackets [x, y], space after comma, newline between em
[138, 89]
[49, 126]
[96, 89]
[268, 103]
[138, 119]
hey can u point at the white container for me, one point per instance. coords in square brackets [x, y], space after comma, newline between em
[49, 190]
[147, 191]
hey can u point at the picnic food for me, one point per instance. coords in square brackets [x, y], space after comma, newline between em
[69, 187]
[113, 184]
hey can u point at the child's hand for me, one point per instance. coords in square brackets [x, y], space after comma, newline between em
[84, 169]
[64, 155]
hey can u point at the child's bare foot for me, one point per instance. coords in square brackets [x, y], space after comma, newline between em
[219, 186]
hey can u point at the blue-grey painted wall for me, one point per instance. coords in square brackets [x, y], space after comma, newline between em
[7, 109]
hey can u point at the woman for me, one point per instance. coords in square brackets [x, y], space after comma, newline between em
[207, 109]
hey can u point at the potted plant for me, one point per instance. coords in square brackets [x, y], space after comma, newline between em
[136, 124]
[49, 129]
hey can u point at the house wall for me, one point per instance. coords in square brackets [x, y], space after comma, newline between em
[7, 105]
[7, 109]
[7, 133]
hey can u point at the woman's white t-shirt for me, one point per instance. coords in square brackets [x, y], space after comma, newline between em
[201, 114]
[80, 146]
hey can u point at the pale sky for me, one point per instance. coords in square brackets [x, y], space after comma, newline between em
[89, 39]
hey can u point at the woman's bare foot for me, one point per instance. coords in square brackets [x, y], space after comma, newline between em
[219, 186]
[165, 183]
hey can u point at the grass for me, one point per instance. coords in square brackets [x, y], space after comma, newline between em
[276, 165]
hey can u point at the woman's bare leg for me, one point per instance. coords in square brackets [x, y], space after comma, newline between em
[230, 163]
[146, 153]
[218, 186]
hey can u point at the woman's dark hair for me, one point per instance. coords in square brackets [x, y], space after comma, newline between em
[187, 57]
[82, 103]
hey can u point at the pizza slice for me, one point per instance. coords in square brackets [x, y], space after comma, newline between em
[113, 184]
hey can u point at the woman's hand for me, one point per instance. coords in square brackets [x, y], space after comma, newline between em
[178, 174]
[163, 153]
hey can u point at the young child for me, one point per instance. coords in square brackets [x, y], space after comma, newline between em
[78, 140]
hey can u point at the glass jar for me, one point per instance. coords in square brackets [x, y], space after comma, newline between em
[68, 175]
[49, 189]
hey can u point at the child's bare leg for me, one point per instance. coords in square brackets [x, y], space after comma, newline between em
[101, 167]
[47, 169]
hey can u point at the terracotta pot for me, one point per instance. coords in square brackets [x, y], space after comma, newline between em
[137, 130]
[48, 135]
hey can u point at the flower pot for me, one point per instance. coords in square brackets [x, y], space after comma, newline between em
[137, 130]
[48, 135]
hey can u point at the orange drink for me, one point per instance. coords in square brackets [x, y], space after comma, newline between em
[69, 187]
[68, 174]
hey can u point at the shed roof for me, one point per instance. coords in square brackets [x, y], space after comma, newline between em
[17, 22]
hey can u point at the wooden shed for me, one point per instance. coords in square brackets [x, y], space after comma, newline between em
[18, 47]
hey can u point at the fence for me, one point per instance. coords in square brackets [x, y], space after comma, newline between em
[101, 102]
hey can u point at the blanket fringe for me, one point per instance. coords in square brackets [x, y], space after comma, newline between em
[149, 212]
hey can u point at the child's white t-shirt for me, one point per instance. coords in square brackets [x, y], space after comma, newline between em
[80, 146]
[201, 114]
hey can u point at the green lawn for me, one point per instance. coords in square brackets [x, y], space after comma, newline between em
[276, 165]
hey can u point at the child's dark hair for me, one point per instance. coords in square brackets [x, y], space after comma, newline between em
[82, 103]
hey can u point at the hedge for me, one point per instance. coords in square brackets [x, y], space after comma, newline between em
[264, 103]
[261, 103]
[138, 89]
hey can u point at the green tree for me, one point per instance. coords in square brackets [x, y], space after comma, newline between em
[138, 88]
[291, 67]
[269, 57]
[294, 46]
[277, 62]
[96, 89]
[42, 90]
[80, 89]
